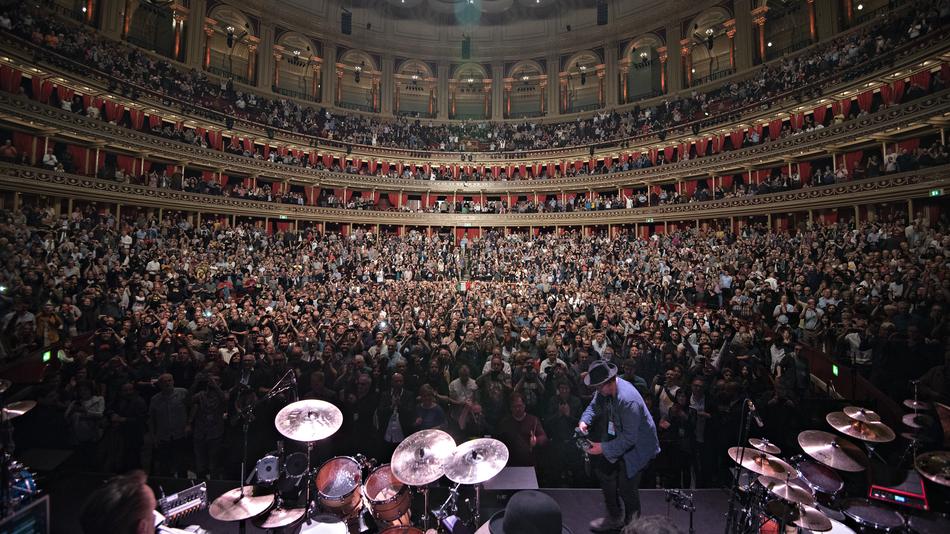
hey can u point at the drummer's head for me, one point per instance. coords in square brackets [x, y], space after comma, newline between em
[123, 506]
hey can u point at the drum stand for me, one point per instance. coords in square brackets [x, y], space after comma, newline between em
[448, 508]
[425, 506]
[736, 517]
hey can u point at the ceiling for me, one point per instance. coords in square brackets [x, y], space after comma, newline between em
[471, 12]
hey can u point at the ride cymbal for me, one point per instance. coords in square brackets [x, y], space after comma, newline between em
[833, 451]
[279, 518]
[873, 432]
[476, 461]
[916, 404]
[420, 458]
[308, 420]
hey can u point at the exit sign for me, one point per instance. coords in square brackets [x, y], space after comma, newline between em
[282, 217]
[936, 192]
[834, 370]
[650, 220]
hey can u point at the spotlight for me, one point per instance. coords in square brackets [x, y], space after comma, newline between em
[860, 7]
[769, 44]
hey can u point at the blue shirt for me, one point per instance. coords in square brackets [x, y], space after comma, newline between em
[636, 440]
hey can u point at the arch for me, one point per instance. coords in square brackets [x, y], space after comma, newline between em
[355, 57]
[585, 58]
[418, 67]
[471, 70]
[525, 67]
[230, 16]
[297, 41]
[651, 40]
[708, 19]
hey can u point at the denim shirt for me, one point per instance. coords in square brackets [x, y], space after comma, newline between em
[636, 440]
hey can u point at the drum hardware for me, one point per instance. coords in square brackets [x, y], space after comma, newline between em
[682, 500]
[737, 515]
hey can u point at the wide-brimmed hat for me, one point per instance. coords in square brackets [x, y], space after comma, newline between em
[528, 512]
[599, 372]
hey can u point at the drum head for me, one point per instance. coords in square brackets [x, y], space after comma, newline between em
[837, 527]
[296, 465]
[819, 477]
[381, 485]
[268, 469]
[338, 477]
[872, 515]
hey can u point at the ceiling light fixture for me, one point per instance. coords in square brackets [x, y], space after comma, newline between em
[583, 67]
[471, 80]
[710, 31]
[769, 44]
[860, 7]
[230, 29]
[644, 55]
[524, 78]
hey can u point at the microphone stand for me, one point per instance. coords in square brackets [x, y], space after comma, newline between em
[745, 422]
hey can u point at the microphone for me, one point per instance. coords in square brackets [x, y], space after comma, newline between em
[755, 414]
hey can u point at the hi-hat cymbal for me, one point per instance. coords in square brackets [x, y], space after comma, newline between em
[789, 492]
[762, 463]
[917, 421]
[476, 461]
[861, 414]
[308, 420]
[16, 409]
[765, 445]
[916, 404]
[231, 506]
[873, 432]
[420, 458]
[279, 518]
[833, 451]
[799, 515]
[934, 466]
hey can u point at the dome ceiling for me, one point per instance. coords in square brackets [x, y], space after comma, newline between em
[471, 12]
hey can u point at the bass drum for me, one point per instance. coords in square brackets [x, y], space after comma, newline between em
[338, 483]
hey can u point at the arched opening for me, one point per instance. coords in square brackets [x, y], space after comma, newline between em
[415, 89]
[470, 92]
[525, 90]
[358, 81]
[231, 44]
[297, 66]
[641, 69]
[582, 83]
[150, 26]
[710, 56]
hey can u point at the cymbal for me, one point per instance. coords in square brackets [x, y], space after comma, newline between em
[230, 506]
[476, 461]
[5, 385]
[762, 463]
[873, 432]
[934, 466]
[279, 518]
[786, 491]
[16, 409]
[916, 404]
[919, 437]
[420, 458]
[917, 421]
[861, 414]
[308, 420]
[833, 451]
[765, 445]
[799, 515]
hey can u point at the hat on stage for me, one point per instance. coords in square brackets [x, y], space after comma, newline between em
[528, 512]
[599, 372]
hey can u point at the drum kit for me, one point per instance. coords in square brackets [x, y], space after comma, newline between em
[353, 494]
[805, 493]
[17, 484]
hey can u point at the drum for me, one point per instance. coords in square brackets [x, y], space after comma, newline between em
[295, 465]
[338, 481]
[837, 527]
[869, 517]
[819, 478]
[389, 499]
[929, 524]
[268, 469]
[402, 530]
[326, 524]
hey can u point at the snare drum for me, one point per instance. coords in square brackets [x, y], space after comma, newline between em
[869, 517]
[268, 469]
[821, 479]
[388, 498]
[338, 481]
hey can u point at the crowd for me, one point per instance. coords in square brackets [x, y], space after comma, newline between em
[163, 333]
[131, 72]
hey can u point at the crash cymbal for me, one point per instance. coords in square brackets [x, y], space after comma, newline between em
[5, 385]
[918, 437]
[279, 518]
[761, 463]
[231, 506]
[420, 458]
[916, 404]
[476, 461]
[789, 492]
[861, 414]
[799, 515]
[308, 420]
[934, 466]
[834, 451]
[917, 421]
[765, 445]
[16, 409]
[873, 432]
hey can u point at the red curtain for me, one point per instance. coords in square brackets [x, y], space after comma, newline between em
[372, 166]
[775, 129]
[138, 118]
[385, 167]
[126, 163]
[10, 79]
[736, 138]
[78, 154]
[65, 93]
[689, 187]
[701, 146]
[819, 114]
[623, 158]
[37, 86]
[266, 151]
[248, 144]
[922, 79]
[668, 154]
[113, 111]
[804, 170]
[727, 182]
[327, 160]
[887, 94]
[846, 106]
[864, 101]
[393, 199]
[945, 72]
[910, 144]
[852, 159]
[899, 87]
[653, 153]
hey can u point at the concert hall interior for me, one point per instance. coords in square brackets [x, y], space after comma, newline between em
[474, 266]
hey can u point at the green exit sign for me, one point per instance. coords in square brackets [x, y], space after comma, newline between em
[936, 192]
[282, 217]
[650, 220]
[834, 370]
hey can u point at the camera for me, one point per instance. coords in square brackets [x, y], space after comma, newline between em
[581, 440]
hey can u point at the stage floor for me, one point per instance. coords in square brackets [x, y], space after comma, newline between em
[579, 506]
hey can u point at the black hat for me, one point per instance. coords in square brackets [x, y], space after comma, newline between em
[528, 512]
[599, 372]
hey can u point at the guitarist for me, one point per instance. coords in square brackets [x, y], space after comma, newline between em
[623, 441]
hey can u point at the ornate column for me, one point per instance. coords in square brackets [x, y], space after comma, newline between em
[442, 91]
[374, 89]
[388, 84]
[624, 73]
[179, 15]
[687, 58]
[674, 71]
[542, 87]
[489, 100]
[849, 12]
[562, 83]
[730, 26]
[744, 36]
[507, 85]
[612, 74]
[328, 72]
[812, 29]
[453, 87]
[194, 29]
[497, 93]
[661, 55]
[553, 97]
[758, 18]
[126, 18]
[315, 76]
[252, 60]
[600, 87]
[396, 103]
[268, 63]
[278, 55]
[339, 84]
[209, 32]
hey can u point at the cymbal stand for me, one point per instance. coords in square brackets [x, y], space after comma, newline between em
[449, 507]
[310, 503]
[734, 516]
[476, 516]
